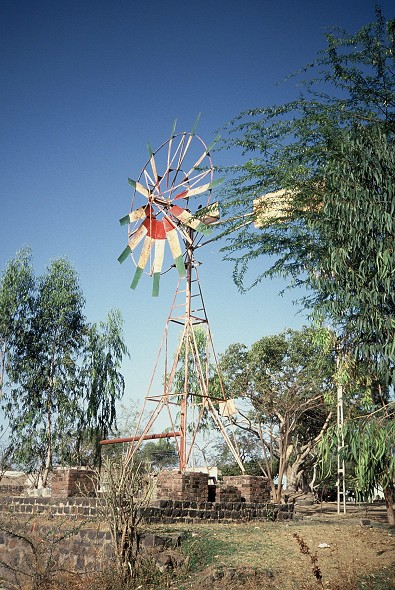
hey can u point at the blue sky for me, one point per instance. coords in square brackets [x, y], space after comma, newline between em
[85, 86]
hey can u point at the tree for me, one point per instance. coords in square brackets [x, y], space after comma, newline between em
[311, 149]
[286, 379]
[355, 282]
[126, 490]
[44, 331]
[104, 383]
[369, 445]
[326, 163]
[51, 395]
[16, 302]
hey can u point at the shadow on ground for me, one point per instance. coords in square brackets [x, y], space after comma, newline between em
[374, 512]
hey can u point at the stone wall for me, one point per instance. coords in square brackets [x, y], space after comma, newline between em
[173, 511]
[77, 508]
[48, 552]
[164, 510]
[250, 488]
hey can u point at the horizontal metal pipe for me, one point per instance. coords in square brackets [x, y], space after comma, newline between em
[113, 441]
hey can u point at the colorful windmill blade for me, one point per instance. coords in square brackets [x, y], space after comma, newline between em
[160, 238]
[193, 192]
[154, 232]
[175, 248]
[135, 239]
[190, 220]
[140, 213]
[140, 188]
[177, 177]
[144, 256]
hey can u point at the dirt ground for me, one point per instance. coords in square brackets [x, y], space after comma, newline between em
[317, 549]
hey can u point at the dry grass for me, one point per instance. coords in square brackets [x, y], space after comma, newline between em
[268, 555]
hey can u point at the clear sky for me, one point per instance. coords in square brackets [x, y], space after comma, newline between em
[86, 84]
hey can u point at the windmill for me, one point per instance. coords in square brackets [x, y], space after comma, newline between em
[171, 215]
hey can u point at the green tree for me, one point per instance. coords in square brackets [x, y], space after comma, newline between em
[103, 382]
[16, 302]
[51, 362]
[370, 447]
[42, 358]
[287, 381]
[331, 151]
[355, 282]
[331, 154]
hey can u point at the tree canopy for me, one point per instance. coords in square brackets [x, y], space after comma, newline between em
[61, 374]
[286, 380]
[355, 281]
[331, 154]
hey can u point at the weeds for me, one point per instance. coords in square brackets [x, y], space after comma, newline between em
[37, 565]
[128, 489]
[305, 549]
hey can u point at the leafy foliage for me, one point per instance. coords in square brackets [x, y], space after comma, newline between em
[286, 379]
[62, 374]
[287, 146]
[355, 284]
[369, 448]
[104, 383]
[43, 332]
[332, 151]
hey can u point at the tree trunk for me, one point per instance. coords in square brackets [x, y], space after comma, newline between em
[296, 480]
[49, 443]
[389, 502]
[46, 468]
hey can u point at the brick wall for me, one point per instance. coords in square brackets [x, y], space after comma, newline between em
[193, 487]
[252, 488]
[228, 493]
[67, 483]
[188, 487]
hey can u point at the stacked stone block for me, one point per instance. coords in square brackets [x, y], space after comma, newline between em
[69, 483]
[169, 511]
[159, 511]
[10, 490]
[80, 551]
[228, 493]
[68, 507]
[252, 488]
[185, 487]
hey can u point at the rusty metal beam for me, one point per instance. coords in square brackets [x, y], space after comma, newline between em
[114, 441]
